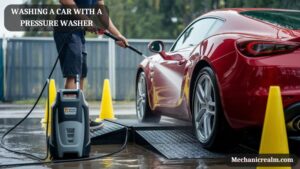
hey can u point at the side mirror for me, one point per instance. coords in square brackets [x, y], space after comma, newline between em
[159, 47]
[156, 46]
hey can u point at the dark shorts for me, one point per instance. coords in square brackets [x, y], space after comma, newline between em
[73, 54]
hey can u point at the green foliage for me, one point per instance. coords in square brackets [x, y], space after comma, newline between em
[165, 19]
[153, 18]
[38, 2]
[285, 4]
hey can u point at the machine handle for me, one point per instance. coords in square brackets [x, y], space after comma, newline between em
[69, 92]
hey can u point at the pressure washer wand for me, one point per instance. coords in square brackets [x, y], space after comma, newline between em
[101, 32]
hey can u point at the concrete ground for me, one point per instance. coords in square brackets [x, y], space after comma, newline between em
[30, 137]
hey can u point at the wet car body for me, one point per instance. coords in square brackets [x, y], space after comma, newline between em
[242, 78]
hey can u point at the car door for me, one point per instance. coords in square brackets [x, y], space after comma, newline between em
[168, 74]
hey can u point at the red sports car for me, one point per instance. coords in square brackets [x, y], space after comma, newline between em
[218, 72]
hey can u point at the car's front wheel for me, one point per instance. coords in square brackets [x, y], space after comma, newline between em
[143, 111]
[211, 127]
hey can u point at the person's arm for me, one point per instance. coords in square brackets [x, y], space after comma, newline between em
[112, 29]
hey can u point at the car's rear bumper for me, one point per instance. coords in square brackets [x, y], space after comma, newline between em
[245, 86]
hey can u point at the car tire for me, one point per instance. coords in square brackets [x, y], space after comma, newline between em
[292, 119]
[143, 111]
[210, 125]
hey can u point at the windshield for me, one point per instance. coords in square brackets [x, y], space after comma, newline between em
[286, 19]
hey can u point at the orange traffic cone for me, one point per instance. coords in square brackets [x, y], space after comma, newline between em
[106, 110]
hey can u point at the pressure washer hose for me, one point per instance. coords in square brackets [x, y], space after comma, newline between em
[42, 160]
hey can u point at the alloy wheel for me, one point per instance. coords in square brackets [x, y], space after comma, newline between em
[141, 97]
[204, 108]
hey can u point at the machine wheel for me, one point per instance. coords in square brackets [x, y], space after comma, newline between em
[211, 127]
[143, 111]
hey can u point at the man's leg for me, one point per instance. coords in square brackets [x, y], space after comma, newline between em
[82, 83]
[93, 124]
[70, 83]
[73, 62]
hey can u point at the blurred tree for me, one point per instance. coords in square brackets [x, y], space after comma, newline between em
[285, 4]
[137, 18]
[39, 2]
[33, 32]
[165, 19]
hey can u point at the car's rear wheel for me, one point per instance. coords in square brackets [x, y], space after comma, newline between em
[211, 127]
[143, 111]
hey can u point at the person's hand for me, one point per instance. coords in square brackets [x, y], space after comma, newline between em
[123, 42]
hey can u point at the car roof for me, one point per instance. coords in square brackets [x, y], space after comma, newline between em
[236, 23]
[253, 9]
[226, 13]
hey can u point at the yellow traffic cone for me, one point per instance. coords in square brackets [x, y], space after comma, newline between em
[106, 110]
[51, 99]
[108, 162]
[274, 136]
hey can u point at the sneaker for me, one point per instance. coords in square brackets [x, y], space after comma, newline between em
[96, 125]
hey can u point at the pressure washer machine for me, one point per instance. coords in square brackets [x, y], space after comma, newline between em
[70, 135]
[69, 139]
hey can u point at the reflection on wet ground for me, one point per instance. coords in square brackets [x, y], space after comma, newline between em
[30, 138]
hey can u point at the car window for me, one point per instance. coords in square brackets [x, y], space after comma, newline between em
[196, 33]
[286, 19]
[215, 27]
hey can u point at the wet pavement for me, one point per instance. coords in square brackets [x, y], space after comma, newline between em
[30, 137]
[121, 110]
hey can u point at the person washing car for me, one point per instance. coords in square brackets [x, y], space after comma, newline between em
[74, 56]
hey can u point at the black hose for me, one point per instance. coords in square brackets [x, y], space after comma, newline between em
[71, 160]
[2, 144]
